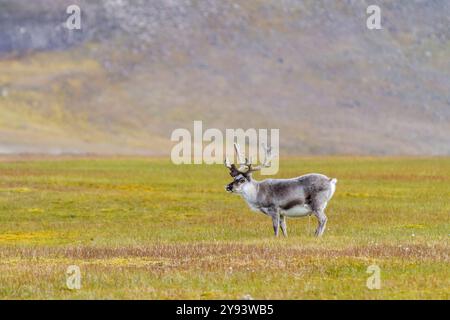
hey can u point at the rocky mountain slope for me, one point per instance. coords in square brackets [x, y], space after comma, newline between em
[139, 69]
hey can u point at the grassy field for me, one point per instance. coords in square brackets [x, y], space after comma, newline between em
[144, 228]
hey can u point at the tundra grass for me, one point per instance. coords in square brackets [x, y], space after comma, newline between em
[147, 229]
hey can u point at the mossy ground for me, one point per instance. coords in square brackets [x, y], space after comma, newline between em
[144, 228]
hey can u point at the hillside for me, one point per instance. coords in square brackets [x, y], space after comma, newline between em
[139, 69]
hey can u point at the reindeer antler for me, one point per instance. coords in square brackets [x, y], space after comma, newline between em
[227, 163]
[267, 158]
[245, 164]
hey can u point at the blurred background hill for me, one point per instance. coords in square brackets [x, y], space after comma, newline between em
[139, 69]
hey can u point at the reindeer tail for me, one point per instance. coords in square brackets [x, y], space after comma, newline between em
[333, 187]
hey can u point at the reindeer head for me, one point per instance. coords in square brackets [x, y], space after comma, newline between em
[243, 174]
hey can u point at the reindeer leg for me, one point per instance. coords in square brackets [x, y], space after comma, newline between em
[275, 215]
[276, 223]
[283, 225]
[322, 218]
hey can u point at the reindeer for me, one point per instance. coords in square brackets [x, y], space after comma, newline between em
[280, 198]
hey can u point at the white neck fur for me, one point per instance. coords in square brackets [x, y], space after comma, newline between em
[250, 192]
